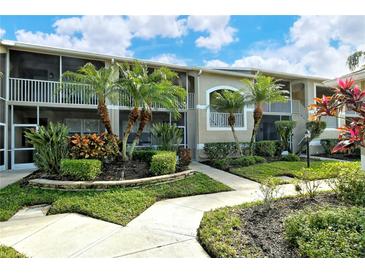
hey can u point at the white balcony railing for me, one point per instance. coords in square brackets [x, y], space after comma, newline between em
[220, 120]
[191, 102]
[40, 91]
[278, 107]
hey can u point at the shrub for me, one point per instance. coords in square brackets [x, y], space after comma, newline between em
[328, 233]
[185, 157]
[307, 185]
[242, 161]
[266, 148]
[81, 169]
[290, 158]
[144, 155]
[168, 137]
[350, 184]
[222, 164]
[259, 159]
[164, 162]
[285, 130]
[50, 145]
[94, 146]
[328, 145]
[216, 151]
[269, 190]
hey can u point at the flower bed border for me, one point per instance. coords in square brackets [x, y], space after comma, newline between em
[82, 185]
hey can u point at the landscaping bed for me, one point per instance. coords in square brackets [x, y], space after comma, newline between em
[251, 230]
[119, 205]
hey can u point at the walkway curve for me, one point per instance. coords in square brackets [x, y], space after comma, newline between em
[166, 229]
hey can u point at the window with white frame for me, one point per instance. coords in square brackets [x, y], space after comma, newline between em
[83, 126]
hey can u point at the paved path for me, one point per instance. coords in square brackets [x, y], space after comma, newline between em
[166, 229]
[8, 177]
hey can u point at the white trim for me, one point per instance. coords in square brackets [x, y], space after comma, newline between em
[199, 146]
[201, 106]
[207, 98]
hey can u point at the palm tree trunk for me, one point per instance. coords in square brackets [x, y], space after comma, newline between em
[133, 116]
[144, 119]
[104, 116]
[257, 117]
[231, 122]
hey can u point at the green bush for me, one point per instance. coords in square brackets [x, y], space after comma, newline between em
[222, 164]
[216, 151]
[350, 183]
[81, 169]
[328, 233]
[50, 145]
[290, 158]
[266, 148]
[328, 145]
[144, 155]
[242, 161]
[285, 130]
[259, 159]
[168, 137]
[164, 162]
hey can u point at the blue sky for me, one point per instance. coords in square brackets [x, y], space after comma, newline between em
[316, 45]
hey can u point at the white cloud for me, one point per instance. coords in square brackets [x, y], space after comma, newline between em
[169, 59]
[151, 26]
[215, 63]
[219, 32]
[2, 32]
[316, 45]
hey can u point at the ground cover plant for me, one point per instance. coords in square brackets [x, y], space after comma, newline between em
[119, 205]
[9, 252]
[318, 170]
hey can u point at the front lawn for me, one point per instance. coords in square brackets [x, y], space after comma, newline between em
[9, 252]
[119, 205]
[319, 170]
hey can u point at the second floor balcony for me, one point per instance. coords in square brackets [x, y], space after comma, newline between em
[54, 92]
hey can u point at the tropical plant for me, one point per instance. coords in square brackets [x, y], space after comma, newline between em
[104, 83]
[148, 89]
[229, 102]
[354, 60]
[346, 96]
[168, 137]
[50, 145]
[262, 89]
[94, 146]
[285, 131]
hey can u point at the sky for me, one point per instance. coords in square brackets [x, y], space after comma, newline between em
[312, 45]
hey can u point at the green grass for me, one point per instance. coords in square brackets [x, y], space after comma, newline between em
[319, 170]
[9, 252]
[119, 205]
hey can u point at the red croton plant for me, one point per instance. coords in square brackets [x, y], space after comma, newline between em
[347, 96]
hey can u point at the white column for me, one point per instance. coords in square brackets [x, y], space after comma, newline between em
[363, 158]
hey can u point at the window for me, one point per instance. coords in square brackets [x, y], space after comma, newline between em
[74, 64]
[36, 66]
[83, 126]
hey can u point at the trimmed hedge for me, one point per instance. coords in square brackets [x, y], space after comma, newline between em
[290, 158]
[216, 151]
[144, 155]
[328, 233]
[164, 162]
[81, 169]
[266, 148]
[227, 163]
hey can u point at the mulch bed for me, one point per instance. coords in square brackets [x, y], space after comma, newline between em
[263, 229]
[346, 157]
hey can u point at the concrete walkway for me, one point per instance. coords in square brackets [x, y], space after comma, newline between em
[8, 177]
[166, 229]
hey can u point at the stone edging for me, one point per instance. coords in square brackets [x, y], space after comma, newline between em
[81, 185]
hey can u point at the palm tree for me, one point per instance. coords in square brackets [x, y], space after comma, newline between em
[229, 102]
[262, 89]
[104, 84]
[353, 61]
[148, 89]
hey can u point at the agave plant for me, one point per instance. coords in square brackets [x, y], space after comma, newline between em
[50, 145]
[168, 137]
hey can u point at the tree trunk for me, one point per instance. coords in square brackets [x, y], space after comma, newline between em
[257, 117]
[144, 119]
[133, 116]
[104, 116]
[231, 122]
